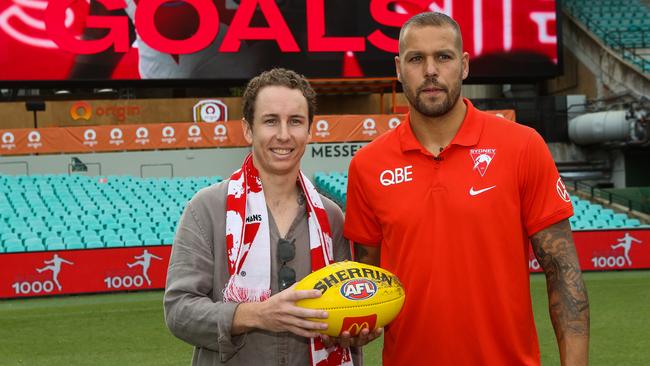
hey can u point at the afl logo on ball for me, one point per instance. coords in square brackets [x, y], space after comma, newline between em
[358, 289]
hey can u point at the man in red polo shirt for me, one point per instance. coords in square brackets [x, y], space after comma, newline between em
[448, 201]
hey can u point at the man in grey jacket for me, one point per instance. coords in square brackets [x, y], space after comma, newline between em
[229, 285]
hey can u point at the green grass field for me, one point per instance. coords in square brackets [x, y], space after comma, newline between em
[128, 329]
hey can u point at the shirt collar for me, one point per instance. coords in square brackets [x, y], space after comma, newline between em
[468, 134]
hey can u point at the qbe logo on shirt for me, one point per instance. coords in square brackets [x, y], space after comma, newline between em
[390, 177]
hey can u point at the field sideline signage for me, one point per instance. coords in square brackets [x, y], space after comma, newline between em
[83, 271]
[606, 250]
[145, 268]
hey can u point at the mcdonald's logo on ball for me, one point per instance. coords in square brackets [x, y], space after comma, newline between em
[355, 295]
[355, 324]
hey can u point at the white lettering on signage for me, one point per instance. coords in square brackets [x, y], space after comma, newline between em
[542, 19]
[117, 282]
[35, 287]
[534, 264]
[446, 8]
[507, 25]
[478, 27]
[395, 176]
[608, 262]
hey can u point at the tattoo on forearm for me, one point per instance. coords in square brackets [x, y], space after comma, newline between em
[360, 253]
[568, 301]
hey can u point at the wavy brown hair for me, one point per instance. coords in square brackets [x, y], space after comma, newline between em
[277, 77]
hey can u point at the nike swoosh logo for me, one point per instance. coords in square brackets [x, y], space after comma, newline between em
[472, 192]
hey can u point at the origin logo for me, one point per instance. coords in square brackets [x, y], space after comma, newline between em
[358, 289]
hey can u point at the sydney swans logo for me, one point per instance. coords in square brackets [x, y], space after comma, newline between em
[482, 159]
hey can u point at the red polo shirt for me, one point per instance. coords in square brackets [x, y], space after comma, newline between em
[455, 229]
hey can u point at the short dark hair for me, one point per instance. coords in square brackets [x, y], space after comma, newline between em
[432, 19]
[277, 77]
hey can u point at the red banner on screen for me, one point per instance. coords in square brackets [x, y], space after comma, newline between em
[234, 40]
[608, 250]
[83, 271]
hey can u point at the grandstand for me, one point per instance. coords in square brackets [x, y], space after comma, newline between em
[57, 212]
[623, 25]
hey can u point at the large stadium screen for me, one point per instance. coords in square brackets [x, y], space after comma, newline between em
[233, 40]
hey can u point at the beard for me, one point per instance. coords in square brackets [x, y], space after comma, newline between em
[429, 108]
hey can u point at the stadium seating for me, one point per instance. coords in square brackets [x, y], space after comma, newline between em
[333, 185]
[57, 212]
[621, 24]
[593, 216]
[587, 215]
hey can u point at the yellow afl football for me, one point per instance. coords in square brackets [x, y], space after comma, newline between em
[355, 295]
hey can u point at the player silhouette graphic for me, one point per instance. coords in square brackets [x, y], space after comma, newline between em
[145, 262]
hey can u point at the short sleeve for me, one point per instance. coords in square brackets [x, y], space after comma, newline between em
[361, 224]
[544, 198]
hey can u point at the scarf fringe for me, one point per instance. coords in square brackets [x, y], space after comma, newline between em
[233, 293]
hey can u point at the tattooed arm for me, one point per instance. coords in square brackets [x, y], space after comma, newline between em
[367, 254]
[567, 295]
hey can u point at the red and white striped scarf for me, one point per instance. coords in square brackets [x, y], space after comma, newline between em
[249, 247]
